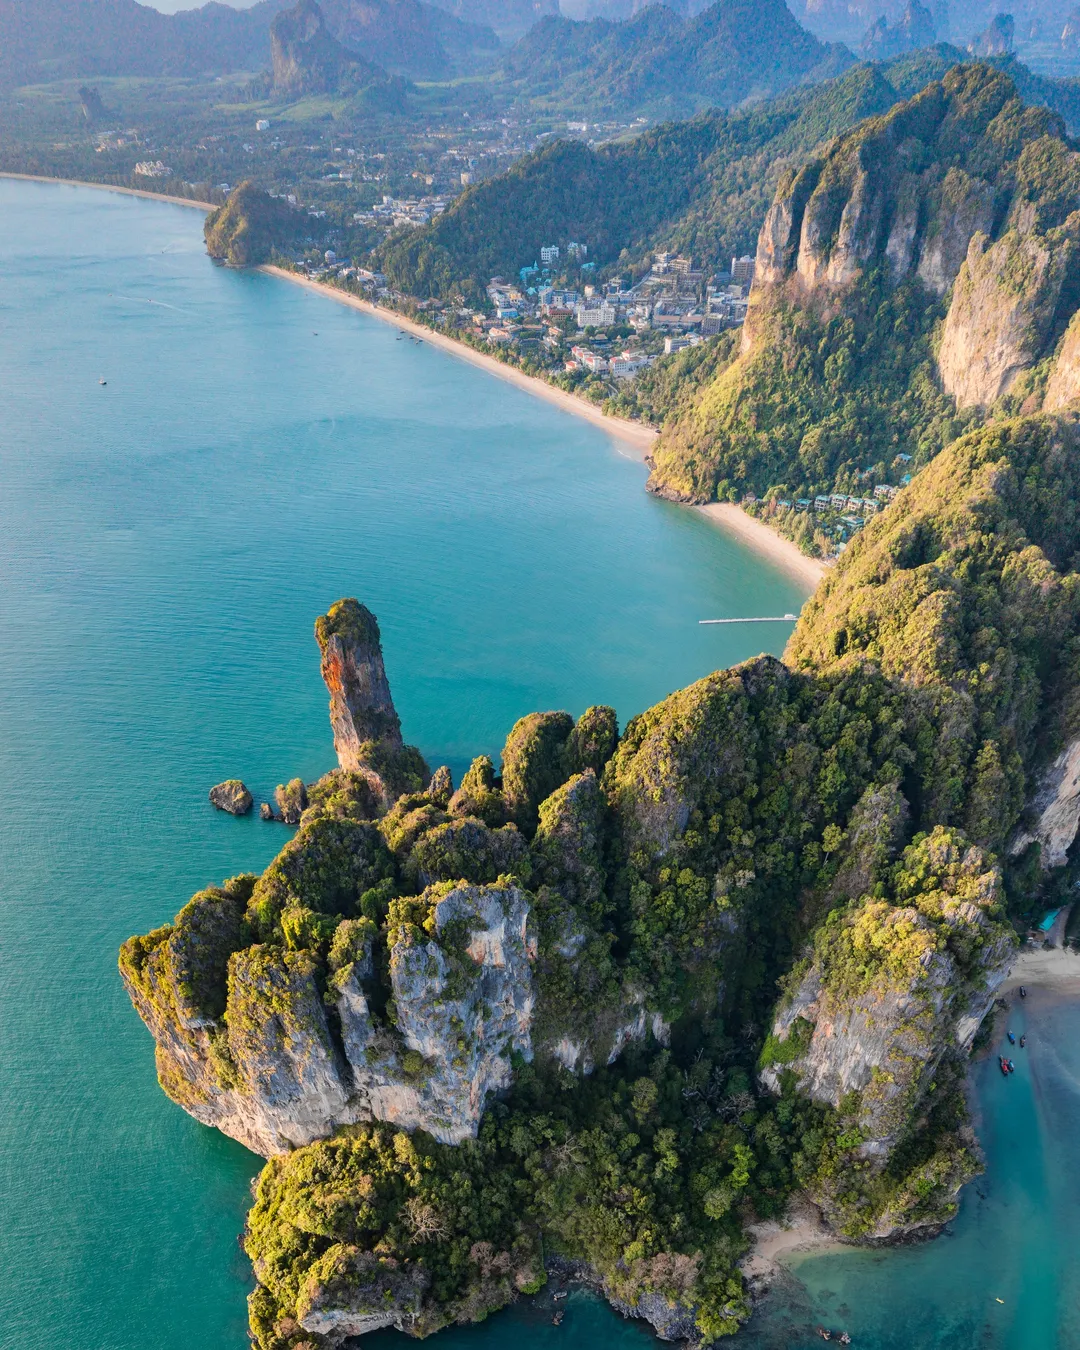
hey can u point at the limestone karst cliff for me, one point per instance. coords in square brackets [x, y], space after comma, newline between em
[893, 986]
[916, 270]
[307, 59]
[381, 968]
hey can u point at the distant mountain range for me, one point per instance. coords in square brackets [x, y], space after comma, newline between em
[732, 51]
[509, 18]
[63, 39]
[1039, 29]
[408, 36]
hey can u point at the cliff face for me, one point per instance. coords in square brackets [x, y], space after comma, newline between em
[1054, 810]
[534, 936]
[890, 989]
[1064, 385]
[908, 190]
[922, 264]
[1007, 300]
[923, 192]
[307, 59]
[268, 1069]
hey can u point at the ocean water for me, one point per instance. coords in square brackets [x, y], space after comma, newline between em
[166, 541]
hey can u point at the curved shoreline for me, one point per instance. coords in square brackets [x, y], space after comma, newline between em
[109, 187]
[634, 434]
[781, 552]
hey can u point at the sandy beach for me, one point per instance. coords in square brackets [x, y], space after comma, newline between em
[780, 551]
[641, 438]
[111, 187]
[801, 1230]
[1035, 968]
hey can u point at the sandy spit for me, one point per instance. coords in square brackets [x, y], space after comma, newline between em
[111, 187]
[782, 552]
[639, 437]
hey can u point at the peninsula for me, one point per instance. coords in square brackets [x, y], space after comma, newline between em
[534, 1016]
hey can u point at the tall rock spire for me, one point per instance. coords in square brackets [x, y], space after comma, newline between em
[361, 708]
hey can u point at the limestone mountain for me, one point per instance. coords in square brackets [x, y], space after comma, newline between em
[542, 1008]
[732, 51]
[307, 59]
[906, 280]
[914, 29]
[408, 37]
[53, 39]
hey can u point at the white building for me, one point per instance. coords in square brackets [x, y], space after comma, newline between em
[627, 364]
[742, 269]
[262, 124]
[676, 344]
[595, 315]
[549, 254]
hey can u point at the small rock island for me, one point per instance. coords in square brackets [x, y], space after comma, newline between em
[596, 1009]
[231, 796]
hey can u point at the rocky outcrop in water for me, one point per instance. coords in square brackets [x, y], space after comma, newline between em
[361, 708]
[457, 1007]
[231, 796]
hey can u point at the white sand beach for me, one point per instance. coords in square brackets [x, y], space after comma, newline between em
[112, 187]
[780, 551]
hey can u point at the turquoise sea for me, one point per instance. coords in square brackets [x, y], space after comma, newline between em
[166, 541]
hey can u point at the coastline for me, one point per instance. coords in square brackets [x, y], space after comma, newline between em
[641, 438]
[800, 1230]
[109, 187]
[780, 552]
[1056, 969]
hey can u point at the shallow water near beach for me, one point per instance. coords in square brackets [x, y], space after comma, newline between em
[166, 540]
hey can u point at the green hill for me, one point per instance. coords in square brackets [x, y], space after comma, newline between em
[251, 224]
[734, 51]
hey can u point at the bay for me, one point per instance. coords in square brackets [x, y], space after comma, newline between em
[166, 541]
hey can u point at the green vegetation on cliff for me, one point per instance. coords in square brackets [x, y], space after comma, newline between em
[251, 225]
[843, 366]
[626, 910]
